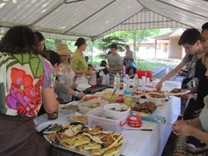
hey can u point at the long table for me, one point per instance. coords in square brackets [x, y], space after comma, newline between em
[145, 143]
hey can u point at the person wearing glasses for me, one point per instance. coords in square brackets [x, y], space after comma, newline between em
[191, 40]
[196, 127]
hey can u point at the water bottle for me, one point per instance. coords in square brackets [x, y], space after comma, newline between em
[136, 82]
[117, 80]
[60, 75]
[126, 83]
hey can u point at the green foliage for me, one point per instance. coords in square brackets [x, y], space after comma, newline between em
[122, 37]
[105, 42]
[148, 65]
[50, 44]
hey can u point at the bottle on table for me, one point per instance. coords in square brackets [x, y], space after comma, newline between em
[117, 80]
[126, 82]
[60, 74]
[136, 82]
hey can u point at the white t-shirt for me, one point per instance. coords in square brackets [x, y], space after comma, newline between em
[92, 78]
[203, 115]
[105, 78]
[67, 80]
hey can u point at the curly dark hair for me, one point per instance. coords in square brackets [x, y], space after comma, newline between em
[19, 39]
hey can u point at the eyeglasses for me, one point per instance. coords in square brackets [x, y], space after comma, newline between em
[204, 39]
[188, 47]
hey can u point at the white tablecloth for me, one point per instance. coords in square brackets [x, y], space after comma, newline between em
[144, 143]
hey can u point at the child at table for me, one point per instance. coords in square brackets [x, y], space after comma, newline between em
[92, 78]
[103, 74]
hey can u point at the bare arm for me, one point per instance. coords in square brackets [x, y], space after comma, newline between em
[190, 128]
[195, 123]
[49, 100]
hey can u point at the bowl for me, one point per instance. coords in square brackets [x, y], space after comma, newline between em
[118, 109]
[108, 96]
[157, 98]
[85, 107]
[82, 87]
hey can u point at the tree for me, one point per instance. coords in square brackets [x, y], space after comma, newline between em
[124, 36]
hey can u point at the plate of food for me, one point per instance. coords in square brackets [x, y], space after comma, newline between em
[89, 141]
[49, 127]
[177, 91]
[157, 98]
[145, 107]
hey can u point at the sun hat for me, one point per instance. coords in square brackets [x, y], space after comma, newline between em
[63, 49]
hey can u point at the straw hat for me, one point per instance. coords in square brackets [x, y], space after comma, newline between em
[63, 49]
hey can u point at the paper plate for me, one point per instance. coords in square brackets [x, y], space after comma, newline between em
[81, 80]
[99, 68]
[183, 92]
[82, 87]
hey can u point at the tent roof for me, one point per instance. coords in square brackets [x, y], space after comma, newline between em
[68, 19]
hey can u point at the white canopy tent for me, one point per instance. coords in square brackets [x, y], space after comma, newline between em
[68, 19]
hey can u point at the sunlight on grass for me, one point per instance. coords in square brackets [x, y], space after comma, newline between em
[140, 64]
[148, 65]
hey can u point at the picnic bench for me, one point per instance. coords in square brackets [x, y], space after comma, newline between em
[160, 72]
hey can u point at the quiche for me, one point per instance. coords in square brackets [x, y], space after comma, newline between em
[81, 140]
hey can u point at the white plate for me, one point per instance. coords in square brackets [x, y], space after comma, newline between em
[99, 68]
[82, 87]
[180, 93]
[81, 80]
[43, 125]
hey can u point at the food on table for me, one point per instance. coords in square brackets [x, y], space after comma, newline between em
[155, 95]
[95, 105]
[108, 96]
[137, 93]
[73, 130]
[50, 136]
[81, 140]
[94, 138]
[176, 90]
[107, 139]
[54, 127]
[87, 98]
[146, 107]
[117, 107]
[71, 107]
[81, 118]
[91, 146]
[94, 142]
[96, 130]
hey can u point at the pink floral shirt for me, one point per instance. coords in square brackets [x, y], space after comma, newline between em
[22, 77]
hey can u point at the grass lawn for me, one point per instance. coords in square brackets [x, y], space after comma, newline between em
[148, 65]
[141, 64]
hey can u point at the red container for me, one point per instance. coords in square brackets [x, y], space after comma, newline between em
[147, 73]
